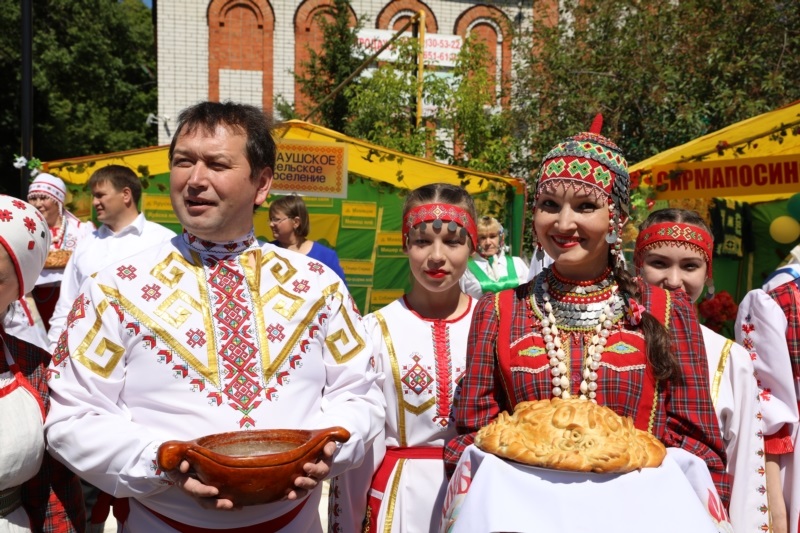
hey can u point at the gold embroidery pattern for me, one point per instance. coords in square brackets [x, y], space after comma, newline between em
[354, 340]
[173, 277]
[179, 315]
[270, 368]
[723, 360]
[282, 269]
[253, 276]
[533, 351]
[209, 370]
[105, 345]
[398, 472]
[652, 422]
[286, 304]
[398, 387]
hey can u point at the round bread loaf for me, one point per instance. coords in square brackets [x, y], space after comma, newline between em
[57, 258]
[574, 435]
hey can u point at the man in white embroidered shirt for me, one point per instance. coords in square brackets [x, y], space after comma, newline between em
[116, 191]
[212, 332]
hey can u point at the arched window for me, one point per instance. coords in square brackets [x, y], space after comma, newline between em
[240, 50]
[308, 34]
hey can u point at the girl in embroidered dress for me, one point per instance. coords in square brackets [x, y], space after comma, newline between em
[420, 344]
[674, 250]
[577, 330]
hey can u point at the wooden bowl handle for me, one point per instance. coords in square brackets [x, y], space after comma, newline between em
[171, 453]
[336, 434]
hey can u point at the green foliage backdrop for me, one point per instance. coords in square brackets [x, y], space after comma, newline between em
[94, 78]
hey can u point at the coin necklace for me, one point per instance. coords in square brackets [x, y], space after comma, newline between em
[601, 297]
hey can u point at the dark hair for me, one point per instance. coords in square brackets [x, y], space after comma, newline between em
[662, 361]
[293, 206]
[119, 177]
[240, 118]
[673, 214]
[442, 193]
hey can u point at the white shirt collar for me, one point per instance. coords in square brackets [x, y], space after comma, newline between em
[136, 228]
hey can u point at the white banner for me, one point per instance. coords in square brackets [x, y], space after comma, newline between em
[440, 50]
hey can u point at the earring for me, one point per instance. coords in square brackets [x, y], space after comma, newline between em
[710, 289]
[539, 252]
[612, 236]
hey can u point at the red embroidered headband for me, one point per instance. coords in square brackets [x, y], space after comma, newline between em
[437, 214]
[676, 234]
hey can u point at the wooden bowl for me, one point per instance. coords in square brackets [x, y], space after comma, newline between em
[250, 467]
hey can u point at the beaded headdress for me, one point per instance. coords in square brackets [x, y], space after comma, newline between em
[48, 185]
[437, 215]
[590, 162]
[674, 234]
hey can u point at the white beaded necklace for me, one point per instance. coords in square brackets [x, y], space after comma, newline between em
[594, 353]
[56, 243]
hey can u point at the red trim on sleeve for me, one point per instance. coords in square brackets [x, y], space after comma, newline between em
[780, 442]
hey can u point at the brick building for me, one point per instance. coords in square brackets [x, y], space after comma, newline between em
[244, 50]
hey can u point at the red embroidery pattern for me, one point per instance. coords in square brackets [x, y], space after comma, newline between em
[275, 333]
[61, 353]
[301, 286]
[117, 309]
[18, 204]
[444, 369]
[239, 354]
[416, 378]
[316, 267]
[78, 310]
[126, 272]
[151, 292]
[30, 224]
[6, 215]
[195, 338]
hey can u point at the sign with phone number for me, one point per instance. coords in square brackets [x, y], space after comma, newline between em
[440, 49]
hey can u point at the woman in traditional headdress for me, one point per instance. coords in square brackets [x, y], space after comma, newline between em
[48, 194]
[674, 251]
[37, 493]
[420, 344]
[583, 328]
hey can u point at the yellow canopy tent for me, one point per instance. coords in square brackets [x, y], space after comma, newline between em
[755, 161]
[364, 227]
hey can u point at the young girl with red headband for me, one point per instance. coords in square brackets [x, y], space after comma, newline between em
[674, 251]
[420, 344]
[584, 329]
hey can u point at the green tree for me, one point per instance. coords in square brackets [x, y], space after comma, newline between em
[465, 124]
[383, 104]
[94, 78]
[338, 57]
[662, 73]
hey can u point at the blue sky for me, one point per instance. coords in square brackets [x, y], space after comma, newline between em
[148, 3]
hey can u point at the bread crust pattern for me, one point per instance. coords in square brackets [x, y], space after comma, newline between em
[572, 435]
[57, 258]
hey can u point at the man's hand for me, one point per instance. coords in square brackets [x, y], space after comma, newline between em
[315, 472]
[206, 495]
